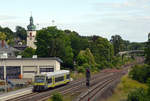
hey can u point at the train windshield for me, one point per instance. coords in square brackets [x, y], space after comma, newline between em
[39, 79]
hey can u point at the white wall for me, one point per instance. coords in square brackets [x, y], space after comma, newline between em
[31, 39]
[30, 65]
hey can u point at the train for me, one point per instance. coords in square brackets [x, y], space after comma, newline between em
[45, 81]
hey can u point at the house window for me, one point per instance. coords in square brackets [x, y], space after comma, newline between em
[46, 70]
[13, 72]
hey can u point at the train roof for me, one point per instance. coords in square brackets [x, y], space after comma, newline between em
[56, 73]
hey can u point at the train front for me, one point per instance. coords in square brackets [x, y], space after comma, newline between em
[39, 83]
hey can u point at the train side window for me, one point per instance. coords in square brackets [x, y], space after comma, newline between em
[57, 79]
[68, 76]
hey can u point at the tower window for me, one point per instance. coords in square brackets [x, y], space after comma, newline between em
[30, 34]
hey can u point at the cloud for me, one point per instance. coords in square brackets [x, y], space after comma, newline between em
[126, 4]
[7, 17]
[130, 19]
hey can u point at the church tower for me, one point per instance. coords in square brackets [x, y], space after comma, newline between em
[31, 34]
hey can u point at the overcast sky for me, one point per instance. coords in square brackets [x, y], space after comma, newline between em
[128, 18]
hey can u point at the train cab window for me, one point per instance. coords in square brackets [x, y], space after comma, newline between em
[57, 79]
[68, 76]
[39, 79]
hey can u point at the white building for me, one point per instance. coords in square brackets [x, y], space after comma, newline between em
[27, 67]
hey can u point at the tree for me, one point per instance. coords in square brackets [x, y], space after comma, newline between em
[77, 42]
[28, 52]
[117, 44]
[2, 36]
[136, 46]
[52, 42]
[138, 95]
[85, 59]
[147, 51]
[140, 73]
[9, 33]
[21, 32]
[102, 50]
[85, 56]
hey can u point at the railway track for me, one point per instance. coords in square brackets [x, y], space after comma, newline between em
[98, 88]
[73, 86]
[64, 89]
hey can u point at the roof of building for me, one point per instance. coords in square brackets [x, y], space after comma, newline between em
[20, 47]
[6, 48]
[49, 58]
[31, 26]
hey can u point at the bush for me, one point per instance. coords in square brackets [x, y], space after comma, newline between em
[81, 69]
[140, 73]
[138, 95]
[57, 97]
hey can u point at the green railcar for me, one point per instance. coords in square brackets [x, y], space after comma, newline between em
[44, 81]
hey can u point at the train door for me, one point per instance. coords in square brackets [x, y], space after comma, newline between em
[49, 81]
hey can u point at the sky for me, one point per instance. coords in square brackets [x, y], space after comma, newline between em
[128, 18]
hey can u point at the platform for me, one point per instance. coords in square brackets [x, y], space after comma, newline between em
[17, 93]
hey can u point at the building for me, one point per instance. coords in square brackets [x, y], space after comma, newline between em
[6, 50]
[13, 68]
[31, 34]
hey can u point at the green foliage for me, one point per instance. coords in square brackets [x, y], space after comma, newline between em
[21, 32]
[57, 97]
[2, 36]
[52, 42]
[102, 50]
[77, 42]
[140, 73]
[81, 69]
[117, 42]
[147, 53]
[85, 59]
[136, 46]
[9, 33]
[138, 95]
[28, 52]
[148, 84]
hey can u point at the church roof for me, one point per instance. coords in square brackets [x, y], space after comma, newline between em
[31, 26]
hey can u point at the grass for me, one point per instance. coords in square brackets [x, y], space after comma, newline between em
[124, 87]
[67, 97]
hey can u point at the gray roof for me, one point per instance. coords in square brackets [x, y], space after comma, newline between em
[49, 58]
[7, 48]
